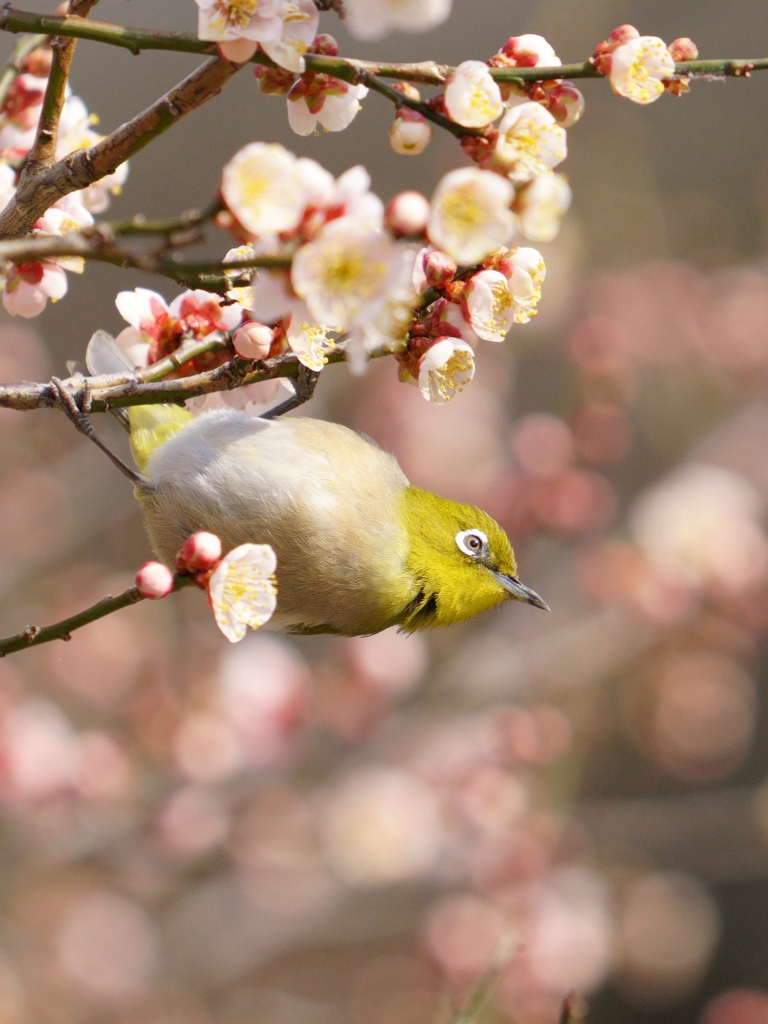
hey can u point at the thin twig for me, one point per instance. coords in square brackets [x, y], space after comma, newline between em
[43, 150]
[33, 636]
[92, 244]
[404, 101]
[427, 72]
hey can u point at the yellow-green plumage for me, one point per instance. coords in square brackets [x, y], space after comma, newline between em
[358, 548]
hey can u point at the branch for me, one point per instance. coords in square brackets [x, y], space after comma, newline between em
[32, 636]
[423, 108]
[43, 150]
[96, 244]
[427, 72]
[84, 166]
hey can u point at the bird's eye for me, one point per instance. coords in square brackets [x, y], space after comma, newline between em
[472, 542]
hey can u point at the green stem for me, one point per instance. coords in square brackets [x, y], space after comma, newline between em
[428, 72]
[139, 225]
[184, 354]
[33, 636]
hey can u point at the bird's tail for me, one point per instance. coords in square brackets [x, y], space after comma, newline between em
[149, 425]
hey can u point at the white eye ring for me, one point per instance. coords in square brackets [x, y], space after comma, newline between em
[472, 542]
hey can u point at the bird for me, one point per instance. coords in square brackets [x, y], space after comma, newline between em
[358, 547]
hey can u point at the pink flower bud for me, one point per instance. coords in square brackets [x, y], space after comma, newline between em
[154, 580]
[439, 268]
[684, 49]
[410, 133]
[252, 340]
[199, 552]
[623, 34]
[407, 213]
[325, 44]
[565, 103]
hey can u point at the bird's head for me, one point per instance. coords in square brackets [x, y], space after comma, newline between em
[461, 560]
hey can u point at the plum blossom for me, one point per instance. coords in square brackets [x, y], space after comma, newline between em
[445, 369]
[345, 268]
[243, 591]
[373, 19]
[299, 26]
[638, 69]
[470, 214]
[471, 96]
[410, 133]
[28, 286]
[225, 20]
[541, 204]
[529, 51]
[530, 142]
[494, 300]
[334, 106]
[262, 187]
[310, 342]
[157, 329]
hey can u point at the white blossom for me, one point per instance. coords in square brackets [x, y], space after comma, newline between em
[299, 20]
[638, 68]
[347, 266]
[495, 300]
[445, 370]
[410, 135]
[471, 96]
[257, 20]
[28, 286]
[470, 215]
[341, 104]
[541, 204]
[242, 591]
[530, 141]
[310, 342]
[262, 187]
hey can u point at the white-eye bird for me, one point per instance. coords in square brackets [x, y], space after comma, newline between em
[358, 548]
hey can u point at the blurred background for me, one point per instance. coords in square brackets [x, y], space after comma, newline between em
[358, 831]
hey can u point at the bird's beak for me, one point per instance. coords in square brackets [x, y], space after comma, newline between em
[519, 591]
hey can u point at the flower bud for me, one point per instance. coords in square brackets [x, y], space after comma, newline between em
[565, 103]
[154, 580]
[199, 552]
[623, 34]
[439, 268]
[407, 213]
[325, 44]
[252, 340]
[274, 81]
[408, 90]
[684, 49]
[409, 133]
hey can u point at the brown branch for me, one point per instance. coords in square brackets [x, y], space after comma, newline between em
[97, 244]
[83, 167]
[41, 155]
[33, 636]
[99, 394]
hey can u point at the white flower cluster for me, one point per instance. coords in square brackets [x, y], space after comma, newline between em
[529, 140]
[28, 286]
[356, 268]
